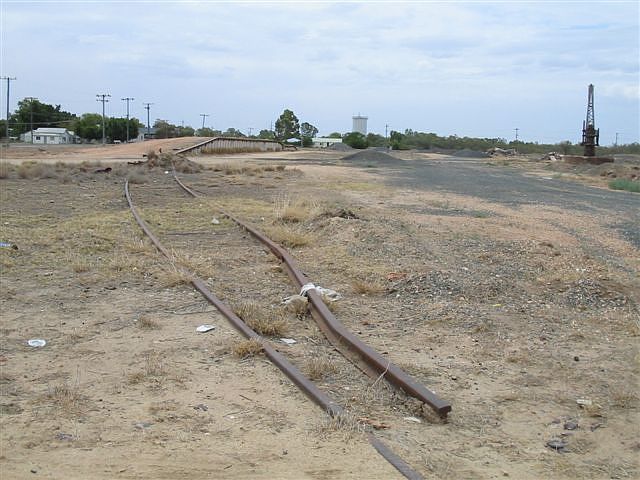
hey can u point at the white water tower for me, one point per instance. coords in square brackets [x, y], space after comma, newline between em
[360, 124]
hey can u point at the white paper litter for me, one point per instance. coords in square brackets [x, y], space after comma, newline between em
[331, 295]
[288, 341]
[205, 328]
[413, 419]
[36, 342]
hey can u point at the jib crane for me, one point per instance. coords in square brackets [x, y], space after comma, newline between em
[590, 135]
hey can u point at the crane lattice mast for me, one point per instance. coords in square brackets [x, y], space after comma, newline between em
[590, 135]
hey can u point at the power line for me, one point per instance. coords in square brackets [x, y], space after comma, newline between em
[102, 97]
[127, 99]
[8, 79]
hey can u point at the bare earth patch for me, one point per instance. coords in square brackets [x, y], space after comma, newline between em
[525, 318]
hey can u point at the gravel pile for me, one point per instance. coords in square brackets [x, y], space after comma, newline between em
[340, 147]
[466, 153]
[372, 157]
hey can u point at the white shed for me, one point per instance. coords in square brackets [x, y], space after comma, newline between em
[49, 136]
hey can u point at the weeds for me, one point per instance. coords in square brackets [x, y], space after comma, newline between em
[147, 323]
[288, 236]
[137, 178]
[5, 169]
[625, 184]
[264, 321]
[344, 422]
[67, 398]
[318, 367]
[367, 286]
[247, 348]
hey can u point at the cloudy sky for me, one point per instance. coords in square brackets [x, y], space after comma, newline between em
[465, 68]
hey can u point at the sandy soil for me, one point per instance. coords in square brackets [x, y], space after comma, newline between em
[526, 319]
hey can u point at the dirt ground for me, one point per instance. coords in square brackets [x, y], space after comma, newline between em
[524, 317]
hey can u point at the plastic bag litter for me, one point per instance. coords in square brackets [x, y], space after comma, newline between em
[36, 342]
[205, 328]
[329, 294]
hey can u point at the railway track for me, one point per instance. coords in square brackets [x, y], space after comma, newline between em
[360, 354]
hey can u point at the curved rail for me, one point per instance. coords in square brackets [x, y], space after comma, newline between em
[368, 359]
[309, 388]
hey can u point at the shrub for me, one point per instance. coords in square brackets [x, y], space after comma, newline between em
[625, 184]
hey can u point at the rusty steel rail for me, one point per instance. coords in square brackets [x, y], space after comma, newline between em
[309, 388]
[365, 357]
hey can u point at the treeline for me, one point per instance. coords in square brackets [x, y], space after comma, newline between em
[411, 139]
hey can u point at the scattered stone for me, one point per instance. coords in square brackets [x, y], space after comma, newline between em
[413, 419]
[215, 221]
[142, 425]
[201, 406]
[557, 444]
[595, 426]
[571, 425]
[584, 402]
[576, 358]
[67, 437]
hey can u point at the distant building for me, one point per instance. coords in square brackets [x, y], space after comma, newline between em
[360, 124]
[49, 136]
[324, 142]
[143, 135]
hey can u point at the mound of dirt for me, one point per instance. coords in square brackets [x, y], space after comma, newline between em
[340, 147]
[467, 153]
[372, 157]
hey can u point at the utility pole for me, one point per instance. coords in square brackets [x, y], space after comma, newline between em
[203, 115]
[8, 79]
[102, 97]
[31, 100]
[147, 107]
[250, 130]
[127, 99]
[517, 130]
[617, 138]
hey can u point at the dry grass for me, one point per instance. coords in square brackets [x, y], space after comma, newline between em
[170, 276]
[290, 210]
[137, 177]
[345, 423]
[247, 348]
[623, 397]
[288, 236]
[264, 321]
[66, 397]
[319, 366]
[299, 306]
[5, 170]
[33, 170]
[154, 369]
[370, 286]
[145, 322]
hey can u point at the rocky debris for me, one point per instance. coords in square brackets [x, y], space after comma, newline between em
[372, 157]
[501, 152]
[557, 444]
[590, 293]
[468, 153]
[431, 284]
[340, 147]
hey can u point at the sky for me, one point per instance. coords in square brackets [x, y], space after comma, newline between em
[479, 69]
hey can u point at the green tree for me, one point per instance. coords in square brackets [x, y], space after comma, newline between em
[355, 140]
[208, 132]
[307, 131]
[185, 131]
[164, 129]
[116, 129]
[42, 114]
[89, 126]
[267, 134]
[232, 132]
[375, 140]
[334, 135]
[397, 140]
[287, 126]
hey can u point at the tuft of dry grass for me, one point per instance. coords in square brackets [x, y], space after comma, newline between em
[33, 170]
[66, 397]
[137, 177]
[154, 369]
[288, 236]
[171, 276]
[299, 306]
[346, 423]
[623, 397]
[147, 323]
[264, 321]
[369, 286]
[318, 367]
[247, 348]
[288, 210]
